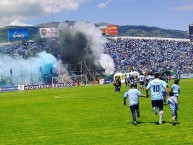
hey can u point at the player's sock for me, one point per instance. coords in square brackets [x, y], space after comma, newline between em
[176, 116]
[138, 113]
[155, 109]
[173, 118]
[134, 123]
[160, 117]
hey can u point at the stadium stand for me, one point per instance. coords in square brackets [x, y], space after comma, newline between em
[150, 55]
[129, 54]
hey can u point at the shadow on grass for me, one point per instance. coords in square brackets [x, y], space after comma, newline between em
[157, 123]
[138, 122]
[174, 123]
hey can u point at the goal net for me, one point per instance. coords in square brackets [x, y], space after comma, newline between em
[61, 79]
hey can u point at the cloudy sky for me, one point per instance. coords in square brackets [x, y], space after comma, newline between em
[169, 14]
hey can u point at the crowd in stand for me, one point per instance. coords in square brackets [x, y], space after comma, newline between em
[129, 54]
[24, 50]
[150, 55]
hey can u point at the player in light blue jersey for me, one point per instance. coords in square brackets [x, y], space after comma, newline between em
[163, 89]
[133, 95]
[156, 86]
[173, 101]
[141, 81]
[175, 88]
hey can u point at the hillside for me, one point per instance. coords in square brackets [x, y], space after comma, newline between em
[128, 30]
[145, 31]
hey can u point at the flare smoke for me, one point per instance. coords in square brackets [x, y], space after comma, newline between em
[85, 42]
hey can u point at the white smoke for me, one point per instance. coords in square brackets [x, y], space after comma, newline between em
[62, 71]
[107, 63]
[97, 41]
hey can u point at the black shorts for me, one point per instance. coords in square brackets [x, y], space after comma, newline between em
[141, 83]
[158, 103]
[134, 107]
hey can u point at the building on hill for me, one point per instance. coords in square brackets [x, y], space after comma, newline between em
[191, 32]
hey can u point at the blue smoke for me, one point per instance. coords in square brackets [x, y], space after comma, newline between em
[39, 69]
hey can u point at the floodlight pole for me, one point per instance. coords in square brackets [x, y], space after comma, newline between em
[81, 71]
[21, 75]
[31, 74]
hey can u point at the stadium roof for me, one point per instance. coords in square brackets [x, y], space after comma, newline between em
[103, 24]
[153, 38]
[70, 23]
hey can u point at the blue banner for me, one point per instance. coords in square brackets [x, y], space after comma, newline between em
[18, 34]
[11, 88]
[108, 81]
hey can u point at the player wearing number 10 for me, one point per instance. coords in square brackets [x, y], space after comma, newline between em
[156, 86]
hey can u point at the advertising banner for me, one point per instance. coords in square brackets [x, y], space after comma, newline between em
[112, 30]
[109, 30]
[191, 32]
[18, 34]
[103, 29]
[20, 87]
[61, 85]
[38, 86]
[11, 88]
[108, 82]
[49, 32]
[43, 86]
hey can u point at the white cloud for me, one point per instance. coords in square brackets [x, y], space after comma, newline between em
[184, 8]
[18, 23]
[19, 10]
[103, 5]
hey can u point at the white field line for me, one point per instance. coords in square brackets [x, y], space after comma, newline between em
[67, 96]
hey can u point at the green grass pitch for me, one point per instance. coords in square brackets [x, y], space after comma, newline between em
[93, 115]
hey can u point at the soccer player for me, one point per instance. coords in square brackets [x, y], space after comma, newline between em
[117, 84]
[165, 78]
[163, 89]
[133, 95]
[175, 88]
[173, 101]
[135, 81]
[126, 80]
[147, 80]
[141, 81]
[156, 86]
[177, 77]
